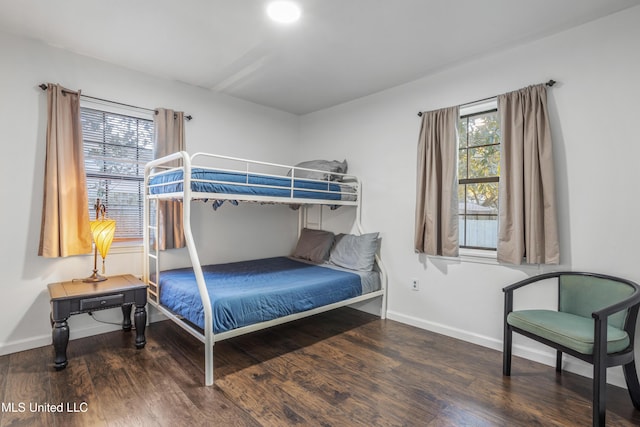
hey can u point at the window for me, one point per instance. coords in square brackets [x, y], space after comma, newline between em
[478, 176]
[116, 148]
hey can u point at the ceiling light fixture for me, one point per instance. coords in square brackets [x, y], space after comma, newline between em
[284, 12]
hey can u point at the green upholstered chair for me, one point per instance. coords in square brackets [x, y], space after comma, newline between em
[595, 322]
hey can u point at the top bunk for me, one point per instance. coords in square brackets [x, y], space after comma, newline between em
[204, 176]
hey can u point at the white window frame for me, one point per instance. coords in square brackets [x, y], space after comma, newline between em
[140, 113]
[474, 254]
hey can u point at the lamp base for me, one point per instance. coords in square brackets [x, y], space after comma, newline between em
[94, 278]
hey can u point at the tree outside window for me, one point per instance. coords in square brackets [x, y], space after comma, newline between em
[478, 176]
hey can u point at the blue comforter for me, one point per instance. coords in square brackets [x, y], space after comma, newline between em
[248, 292]
[246, 184]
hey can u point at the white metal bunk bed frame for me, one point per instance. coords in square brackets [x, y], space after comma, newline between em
[207, 336]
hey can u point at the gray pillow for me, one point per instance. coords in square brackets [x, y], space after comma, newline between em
[323, 165]
[314, 245]
[355, 252]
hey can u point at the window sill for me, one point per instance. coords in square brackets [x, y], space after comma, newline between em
[487, 257]
[483, 256]
[480, 256]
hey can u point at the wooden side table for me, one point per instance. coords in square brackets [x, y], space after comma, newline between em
[75, 297]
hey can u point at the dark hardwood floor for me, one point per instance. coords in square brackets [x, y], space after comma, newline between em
[336, 369]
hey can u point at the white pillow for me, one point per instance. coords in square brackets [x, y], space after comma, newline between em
[323, 165]
[354, 252]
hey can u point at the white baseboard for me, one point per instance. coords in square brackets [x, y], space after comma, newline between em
[25, 344]
[571, 364]
[45, 340]
[96, 328]
[446, 330]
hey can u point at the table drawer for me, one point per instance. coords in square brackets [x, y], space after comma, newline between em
[101, 302]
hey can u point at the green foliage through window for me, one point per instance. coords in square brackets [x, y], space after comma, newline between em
[478, 176]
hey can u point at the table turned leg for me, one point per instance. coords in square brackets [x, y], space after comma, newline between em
[60, 336]
[126, 317]
[140, 319]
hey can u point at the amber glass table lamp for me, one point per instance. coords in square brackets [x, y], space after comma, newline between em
[103, 230]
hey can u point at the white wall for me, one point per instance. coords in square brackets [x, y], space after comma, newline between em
[594, 115]
[221, 124]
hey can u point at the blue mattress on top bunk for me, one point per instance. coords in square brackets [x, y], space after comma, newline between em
[223, 182]
[249, 292]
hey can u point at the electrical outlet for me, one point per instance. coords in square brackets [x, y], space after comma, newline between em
[415, 285]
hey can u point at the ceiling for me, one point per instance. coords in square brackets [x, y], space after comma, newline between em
[339, 50]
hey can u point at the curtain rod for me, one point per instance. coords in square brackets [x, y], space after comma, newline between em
[550, 83]
[43, 86]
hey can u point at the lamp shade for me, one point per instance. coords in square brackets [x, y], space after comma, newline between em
[103, 231]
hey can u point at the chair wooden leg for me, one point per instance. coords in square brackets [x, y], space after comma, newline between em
[599, 393]
[506, 351]
[631, 376]
[599, 372]
[558, 361]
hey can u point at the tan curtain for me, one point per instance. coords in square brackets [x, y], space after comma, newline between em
[65, 227]
[528, 227]
[436, 227]
[169, 138]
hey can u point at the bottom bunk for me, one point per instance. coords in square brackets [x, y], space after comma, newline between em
[251, 292]
[324, 273]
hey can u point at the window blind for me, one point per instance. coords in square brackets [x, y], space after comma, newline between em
[116, 148]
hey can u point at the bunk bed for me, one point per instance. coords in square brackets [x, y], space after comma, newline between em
[217, 302]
